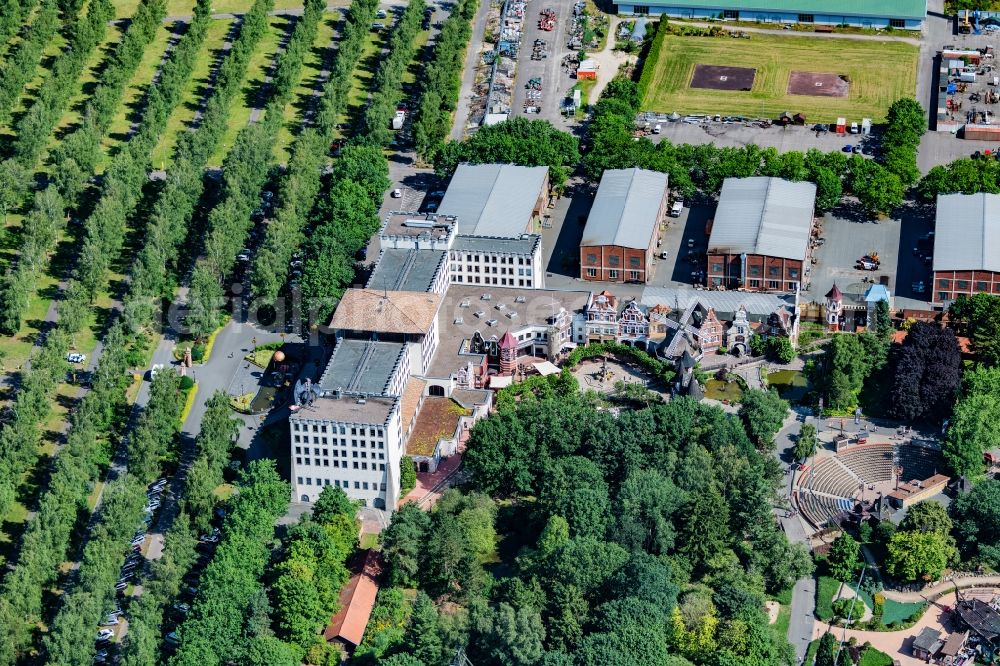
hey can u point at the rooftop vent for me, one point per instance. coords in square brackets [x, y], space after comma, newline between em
[511, 315]
[362, 401]
[519, 299]
[464, 303]
[480, 313]
[500, 306]
[486, 297]
[491, 322]
[458, 320]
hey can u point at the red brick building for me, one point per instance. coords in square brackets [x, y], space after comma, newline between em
[620, 237]
[966, 246]
[760, 236]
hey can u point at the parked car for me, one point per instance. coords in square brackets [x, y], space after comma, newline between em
[76, 357]
[397, 193]
[172, 639]
[110, 622]
[105, 633]
[378, 26]
[849, 148]
[380, 14]
[155, 369]
[854, 128]
[677, 208]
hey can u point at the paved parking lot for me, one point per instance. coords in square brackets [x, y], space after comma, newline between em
[850, 237]
[793, 137]
[555, 81]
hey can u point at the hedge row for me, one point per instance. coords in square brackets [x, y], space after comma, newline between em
[442, 79]
[301, 184]
[94, 425]
[246, 170]
[20, 66]
[388, 82]
[652, 57]
[73, 163]
[70, 639]
[215, 631]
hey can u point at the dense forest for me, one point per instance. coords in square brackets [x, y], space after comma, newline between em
[644, 537]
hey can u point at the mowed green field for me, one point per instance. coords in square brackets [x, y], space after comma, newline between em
[879, 73]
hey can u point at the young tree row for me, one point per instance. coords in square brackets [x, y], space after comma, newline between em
[301, 183]
[70, 639]
[442, 79]
[73, 162]
[35, 127]
[127, 175]
[218, 629]
[14, 16]
[142, 644]
[387, 85]
[94, 427]
[344, 221]
[20, 65]
[21, 434]
[245, 172]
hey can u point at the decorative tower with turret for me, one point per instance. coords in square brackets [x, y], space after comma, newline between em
[834, 308]
[508, 353]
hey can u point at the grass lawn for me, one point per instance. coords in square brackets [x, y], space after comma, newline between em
[318, 55]
[368, 541]
[873, 657]
[194, 94]
[811, 652]
[249, 97]
[122, 122]
[261, 358]
[879, 73]
[826, 588]
[719, 390]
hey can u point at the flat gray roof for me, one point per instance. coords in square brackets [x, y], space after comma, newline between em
[626, 209]
[526, 244]
[361, 367]
[367, 411]
[493, 199]
[967, 232]
[407, 269]
[723, 302]
[761, 215]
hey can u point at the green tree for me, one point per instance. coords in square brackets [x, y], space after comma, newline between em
[763, 413]
[805, 445]
[927, 516]
[514, 637]
[853, 608]
[647, 505]
[780, 349]
[423, 633]
[919, 555]
[407, 475]
[978, 316]
[576, 490]
[977, 522]
[402, 544]
[826, 654]
[845, 557]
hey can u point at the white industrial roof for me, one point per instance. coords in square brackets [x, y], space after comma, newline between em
[493, 199]
[626, 209]
[967, 232]
[762, 215]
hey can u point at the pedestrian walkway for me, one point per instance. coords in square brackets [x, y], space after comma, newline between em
[934, 590]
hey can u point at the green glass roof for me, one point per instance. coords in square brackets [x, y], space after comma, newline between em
[912, 9]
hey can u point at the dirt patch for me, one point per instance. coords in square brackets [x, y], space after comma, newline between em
[772, 608]
[817, 84]
[717, 77]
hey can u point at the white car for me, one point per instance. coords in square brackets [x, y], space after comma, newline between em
[155, 369]
[76, 357]
[104, 634]
[110, 621]
[397, 193]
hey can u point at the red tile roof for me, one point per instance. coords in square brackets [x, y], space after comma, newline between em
[357, 599]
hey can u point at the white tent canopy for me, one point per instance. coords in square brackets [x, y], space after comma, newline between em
[546, 368]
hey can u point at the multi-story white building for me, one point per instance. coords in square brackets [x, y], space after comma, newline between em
[501, 262]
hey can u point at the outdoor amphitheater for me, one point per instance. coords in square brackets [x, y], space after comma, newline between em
[833, 484]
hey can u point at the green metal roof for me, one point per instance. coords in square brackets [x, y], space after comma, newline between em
[912, 9]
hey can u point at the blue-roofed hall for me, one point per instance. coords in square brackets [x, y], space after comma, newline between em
[895, 14]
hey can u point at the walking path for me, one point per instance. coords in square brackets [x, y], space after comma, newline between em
[472, 55]
[898, 644]
[934, 590]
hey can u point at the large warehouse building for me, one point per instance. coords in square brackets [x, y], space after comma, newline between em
[621, 231]
[966, 246]
[760, 237]
[499, 200]
[900, 14]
